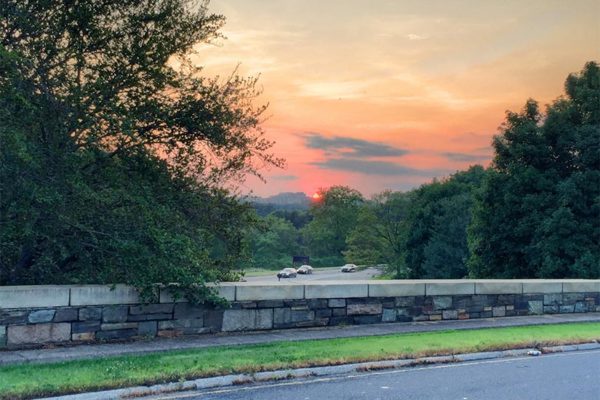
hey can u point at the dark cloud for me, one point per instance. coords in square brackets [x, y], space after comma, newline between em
[284, 177]
[373, 167]
[466, 157]
[356, 147]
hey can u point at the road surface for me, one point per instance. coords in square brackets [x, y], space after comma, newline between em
[326, 274]
[553, 377]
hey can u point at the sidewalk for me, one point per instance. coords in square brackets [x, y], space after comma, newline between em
[80, 352]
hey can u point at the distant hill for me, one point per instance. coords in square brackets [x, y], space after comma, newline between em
[287, 201]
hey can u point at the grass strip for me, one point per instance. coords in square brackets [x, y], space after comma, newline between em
[34, 380]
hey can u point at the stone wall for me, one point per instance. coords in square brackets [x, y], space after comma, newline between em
[35, 315]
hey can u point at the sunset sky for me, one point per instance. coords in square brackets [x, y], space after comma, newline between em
[387, 94]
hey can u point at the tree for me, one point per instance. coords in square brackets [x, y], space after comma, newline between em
[115, 149]
[334, 216]
[274, 243]
[538, 215]
[436, 244]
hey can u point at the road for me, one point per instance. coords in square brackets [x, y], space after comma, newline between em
[326, 274]
[553, 377]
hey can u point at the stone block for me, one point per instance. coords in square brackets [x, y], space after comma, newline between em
[317, 303]
[552, 299]
[66, 315]
[572, 298]
[2, 336]
[364, 309]
[498, 287]
[580, 307]
[118, 325]
[41, 316]
[499, 311]
[567, 309]
[115, 313]
[188, 311]
[535, 307]
[147, 328]
[213, 319]
[553, 309]
[149, 317]
[367, 319]
[269, 304]
[151, 309]
[323, 313]
[542, 286]
[449, 287]
[450, 314]
[87, 295]
[286, 316]
[442, 302]
[338, 312]
[505, 300]
[41, 296]
[396, 289]
[333, 321]
[388, 315]
[435, 317]
[240, 320]
[323, 290]
[116, 334]
[336, 303]
[90, 314]
[252, 292]
[581, 285]
[83, 337]
[184, 325]
[248, 304]
[38, 333]
[83, 327]
[405, 312]
[405, 301]
[12, 317]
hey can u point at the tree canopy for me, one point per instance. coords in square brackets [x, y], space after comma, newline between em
[115, 150]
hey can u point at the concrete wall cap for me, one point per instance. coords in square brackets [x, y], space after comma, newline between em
[34, 296]
[396, 288]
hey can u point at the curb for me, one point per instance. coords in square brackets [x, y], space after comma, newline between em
[259, 377]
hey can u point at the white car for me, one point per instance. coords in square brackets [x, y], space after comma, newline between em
[305, 270]
[349, 268]
[287, 273]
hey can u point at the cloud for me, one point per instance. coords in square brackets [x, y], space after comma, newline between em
[285, 177]
[414, 36]
[373, 167]
[466, 157]
[357, 148]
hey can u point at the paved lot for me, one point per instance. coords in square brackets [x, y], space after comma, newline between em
[325, 274]
[548, 377]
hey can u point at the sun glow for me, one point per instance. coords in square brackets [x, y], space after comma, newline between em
[316, 196]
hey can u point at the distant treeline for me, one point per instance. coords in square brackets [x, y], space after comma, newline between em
[534, 213]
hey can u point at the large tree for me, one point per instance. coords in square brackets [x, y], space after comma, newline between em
[115, 149]
[538, 215]
[334, 214]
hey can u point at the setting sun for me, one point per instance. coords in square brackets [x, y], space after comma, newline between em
[316, 196]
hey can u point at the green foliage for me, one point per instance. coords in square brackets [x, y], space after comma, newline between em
[334, 216]
[436, 244]
[114, 149]
[274, 243]
[538, 215]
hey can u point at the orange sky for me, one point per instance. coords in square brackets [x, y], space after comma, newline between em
[387, 93]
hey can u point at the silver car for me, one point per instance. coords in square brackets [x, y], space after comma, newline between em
[305, 270]
[287, 273]
[349, 268]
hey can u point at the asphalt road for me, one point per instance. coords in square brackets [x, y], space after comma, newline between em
[328, 274]
[553, 377]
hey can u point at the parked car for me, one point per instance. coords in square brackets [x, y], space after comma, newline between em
[287, 273]
[349, 268]
[305, 269]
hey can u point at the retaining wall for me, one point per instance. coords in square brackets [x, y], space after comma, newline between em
[35, 315]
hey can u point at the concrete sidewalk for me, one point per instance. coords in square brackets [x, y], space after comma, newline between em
[80, 352]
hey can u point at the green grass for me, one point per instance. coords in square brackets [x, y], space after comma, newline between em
[30, 380]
